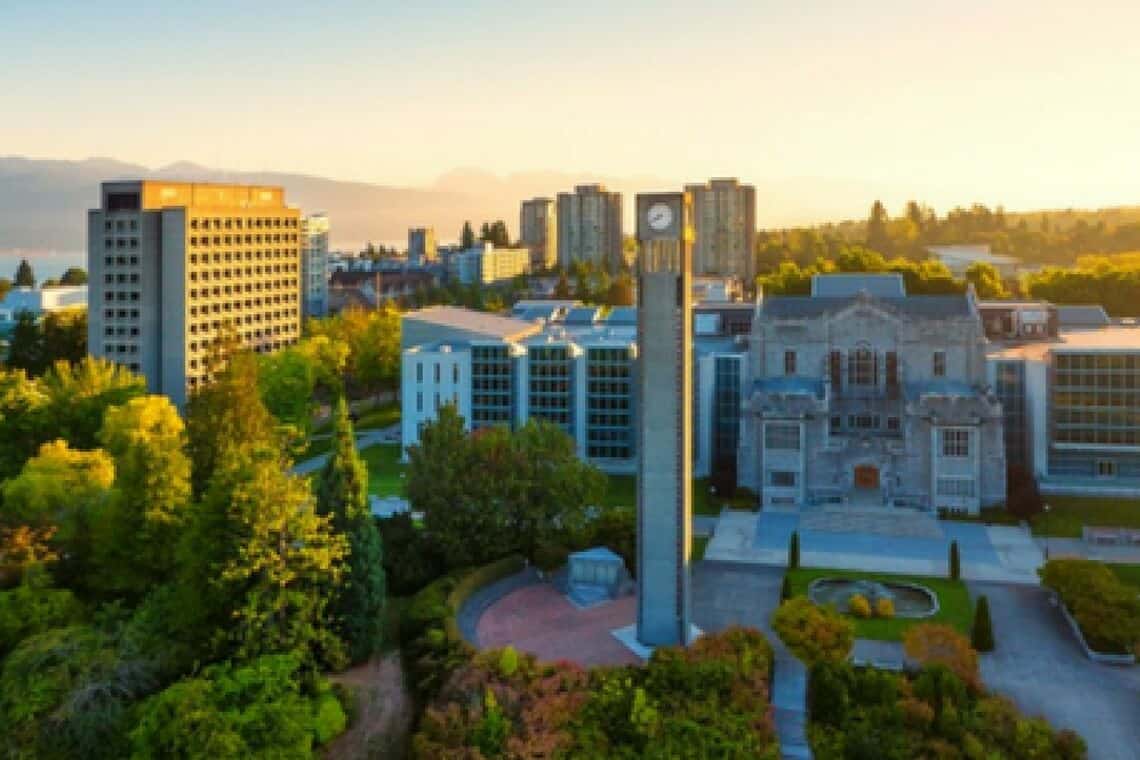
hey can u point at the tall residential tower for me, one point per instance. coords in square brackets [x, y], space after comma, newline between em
[421, 245]
[538, 231]
[590, 227]
[314, 265]
[724, 218]
[664, 418]
[174, 266]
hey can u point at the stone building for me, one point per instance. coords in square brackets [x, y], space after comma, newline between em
[862, 395]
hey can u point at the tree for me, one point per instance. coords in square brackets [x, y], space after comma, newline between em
[78, 395]
[147, 509]
[65, 336]
[935, 644]
[955, 562]
[982, 634]
[1023, 498]
[987, 281]
[25, 277]
[357, 604]
[26, 348]
[256, 561]
[5, 287]
[878, 238]
[813, 633]
[74, 276]
[621, 291]
[467, 236]
[785, 589]
[562, 287]
[794, 550]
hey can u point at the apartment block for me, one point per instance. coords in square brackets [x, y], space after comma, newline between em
[421, 246]
[175, 266]
[314, 265]
[538, 231]
[724, 218]
[486, 265]
[590, 227]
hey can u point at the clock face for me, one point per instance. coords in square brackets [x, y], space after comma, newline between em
[660, 216]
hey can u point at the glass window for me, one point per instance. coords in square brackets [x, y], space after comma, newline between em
[782, 436]
[782, 479]
[955, 443]
[789, 362]
[956, 487]
[940, 364]
[861, 367]
[1106, 468]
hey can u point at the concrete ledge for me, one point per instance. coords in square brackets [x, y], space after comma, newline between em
[1104, 658]
[627, 635]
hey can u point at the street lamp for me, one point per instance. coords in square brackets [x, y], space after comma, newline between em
[1046, 527]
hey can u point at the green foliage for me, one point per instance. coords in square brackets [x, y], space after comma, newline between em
[329, 720]
[74, 276]
[33, 608]
[955, 562]
[357, 603]
[25, 277]
[508, 662]
[858, 606]
[794, 550]
[410, 558]
[373, 341]
[36, 345]
[467, 236]
[1106, 609]
[982, 635]
[235, 711]
[867, 713]
[1110, 281]
[291, 380]
[813, 633]
[785, 589]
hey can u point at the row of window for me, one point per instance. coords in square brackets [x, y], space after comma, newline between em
[205, 326]
[120, 260]
[217, 240]
[249, 303]
[858, 422]
[109, 243]
[250, 287]
[229, 257]
[120, 225]
[1101, 362]
[238, 222]
[227, 274]
[120, 314]
[436, 370]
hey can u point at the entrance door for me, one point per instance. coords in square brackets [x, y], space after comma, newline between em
[866, 476]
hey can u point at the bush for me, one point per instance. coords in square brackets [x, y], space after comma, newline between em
[794, 551]
[411, 560]
[329, 720]
[982, 635]
[30, 609]
[813, 633]
[1105, 608]
[934, 644]
[884, 608]
[955, 562]
[858, 606]
[508, 662]
[548, 557]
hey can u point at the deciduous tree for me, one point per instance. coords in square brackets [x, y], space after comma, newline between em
[813, 633]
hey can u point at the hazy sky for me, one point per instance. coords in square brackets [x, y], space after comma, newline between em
[1030, 102]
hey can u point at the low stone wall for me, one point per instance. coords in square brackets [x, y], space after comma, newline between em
[1102, 657]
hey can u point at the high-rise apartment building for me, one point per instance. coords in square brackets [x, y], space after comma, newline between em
[421, 245]
[314, 265]
[724, 215]
[590, 227]
[538, 231]
[174, 266]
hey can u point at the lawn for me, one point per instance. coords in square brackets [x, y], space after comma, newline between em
[954, 605]
[1067, 514]
[1130, 574]
[622, 492]
[385, 472]
[382, 416]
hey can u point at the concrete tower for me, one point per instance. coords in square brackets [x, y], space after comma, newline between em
[665, 387]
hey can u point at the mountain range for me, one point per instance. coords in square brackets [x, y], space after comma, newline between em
[43, 203]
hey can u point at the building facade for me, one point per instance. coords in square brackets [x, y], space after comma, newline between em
[590, 227]
[38, 302]
[421, 246]
[868, 397]
[174, 266]
[538, 231]
[724, 218]
[314, 265]
[487, 265]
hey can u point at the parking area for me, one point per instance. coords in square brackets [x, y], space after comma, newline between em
[1039, 665]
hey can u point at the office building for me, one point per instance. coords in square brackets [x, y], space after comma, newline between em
[724, 218]
[421, 246]
[175, 266]
[487, 265]
[39, 302]
[590, 227]
[314, 265]
[538, 231]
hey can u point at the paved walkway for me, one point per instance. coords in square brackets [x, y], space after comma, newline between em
[1001, 554]
[363, 441]
[1076, 547]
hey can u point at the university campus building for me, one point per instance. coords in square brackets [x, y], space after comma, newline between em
[858, 394]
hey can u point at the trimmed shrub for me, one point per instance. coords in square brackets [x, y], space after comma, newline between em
[884, 608]
[786, 589]
[858, 606]
[548, 557]
[955, 562]
[794, 551]
[508, 662]
[982, 635]
[813, 633]
[1105, 608]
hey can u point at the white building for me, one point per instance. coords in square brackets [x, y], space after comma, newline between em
[485, 264]
[315, 265]
[39, 302]
[959, 258]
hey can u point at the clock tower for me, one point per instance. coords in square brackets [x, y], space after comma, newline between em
[664, 414]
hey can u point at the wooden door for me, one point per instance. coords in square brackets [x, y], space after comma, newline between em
[866, 476]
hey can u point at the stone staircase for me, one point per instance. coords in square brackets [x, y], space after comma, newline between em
[883, 521]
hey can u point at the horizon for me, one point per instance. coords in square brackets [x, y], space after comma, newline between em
[401, 96]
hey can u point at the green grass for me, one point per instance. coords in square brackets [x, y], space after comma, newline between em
[381, 416]
[622, 492]
[384, 469]
[1067, 514]
[1130, 574]
[700, 543]
[954, 605]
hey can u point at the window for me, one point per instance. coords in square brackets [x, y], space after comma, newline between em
[436, 375]
[419, 373]
[861, 368]
[455, 373]
[782, 478]
[836, 423]
[782, 436]
[940, 364]
[789, 363]
[1106, 468]
[419, 402]
[835, 369]
[863, 421]
[893, 424]
[956, 443]
[956, 487]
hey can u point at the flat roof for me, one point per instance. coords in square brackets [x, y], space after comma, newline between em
[481, 322]
[1115, 338]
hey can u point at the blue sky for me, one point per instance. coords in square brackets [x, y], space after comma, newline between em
[1030, 103]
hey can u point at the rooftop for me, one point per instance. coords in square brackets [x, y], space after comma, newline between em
[1114, 338]
[490, 325]
[970, 253]
[848, 285]
[1082, 315]
[923, 307]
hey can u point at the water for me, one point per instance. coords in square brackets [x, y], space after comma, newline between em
[46, 265]
[911, 601]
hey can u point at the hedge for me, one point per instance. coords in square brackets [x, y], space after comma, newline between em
[1106, 609]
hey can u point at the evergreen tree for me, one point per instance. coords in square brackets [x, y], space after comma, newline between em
[794, 550]
[467, 237]
[878, 236]
[785, 589]
[955, 562]
[982, 636]
[25, 277]
[74, 276]
[357, 604]
[26, 345]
